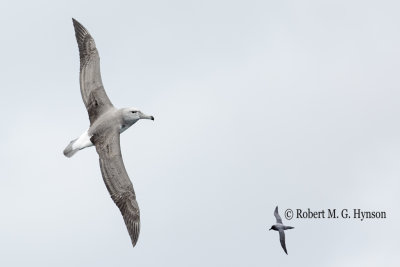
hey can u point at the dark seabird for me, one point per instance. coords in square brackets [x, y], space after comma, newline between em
[106, 124]
[281, 228]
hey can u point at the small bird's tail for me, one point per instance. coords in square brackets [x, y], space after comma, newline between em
[69, 151]
[288, 227]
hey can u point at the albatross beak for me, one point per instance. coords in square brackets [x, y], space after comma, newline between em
[144, 116]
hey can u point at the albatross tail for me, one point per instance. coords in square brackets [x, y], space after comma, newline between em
[78, 144]
[69, 151]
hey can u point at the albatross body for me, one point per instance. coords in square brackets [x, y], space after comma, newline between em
[106, 124]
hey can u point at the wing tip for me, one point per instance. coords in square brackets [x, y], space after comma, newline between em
[86, 44]
[134, 233]
[80, 31]
[76, 23]
[127, 204]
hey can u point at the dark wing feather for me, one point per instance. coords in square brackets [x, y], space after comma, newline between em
[282, 239]
[278, 218]
[117, 180]
[93, 94]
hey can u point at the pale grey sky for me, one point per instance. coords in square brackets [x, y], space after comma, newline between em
[257, 104]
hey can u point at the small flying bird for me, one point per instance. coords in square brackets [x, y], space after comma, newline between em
[106, 125]
[281, 228]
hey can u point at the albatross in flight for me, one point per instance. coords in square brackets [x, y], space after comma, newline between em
[106, 124]
[280, 228]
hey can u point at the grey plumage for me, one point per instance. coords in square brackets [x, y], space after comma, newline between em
[117, 180]
[282, 240]
[280, 228]
[276, 214]
[93, 94]
[106, 124]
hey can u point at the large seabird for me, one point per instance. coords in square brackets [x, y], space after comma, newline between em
[280, 228]
[106, 124]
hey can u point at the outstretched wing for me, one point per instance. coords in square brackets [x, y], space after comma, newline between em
[282, 239]
[278, 218]
[93, 94]
[117, 180]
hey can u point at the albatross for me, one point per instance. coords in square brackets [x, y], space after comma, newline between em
[280, 228]
[106, 125]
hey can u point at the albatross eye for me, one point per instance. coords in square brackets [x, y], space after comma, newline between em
[133, 111]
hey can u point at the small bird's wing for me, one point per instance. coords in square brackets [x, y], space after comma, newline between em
[117, 180]
[93, 94]
[278, 218]
[282, 239]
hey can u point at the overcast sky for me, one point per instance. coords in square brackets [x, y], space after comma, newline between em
[256, 104]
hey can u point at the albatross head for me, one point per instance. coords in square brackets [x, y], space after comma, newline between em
[132, 115]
